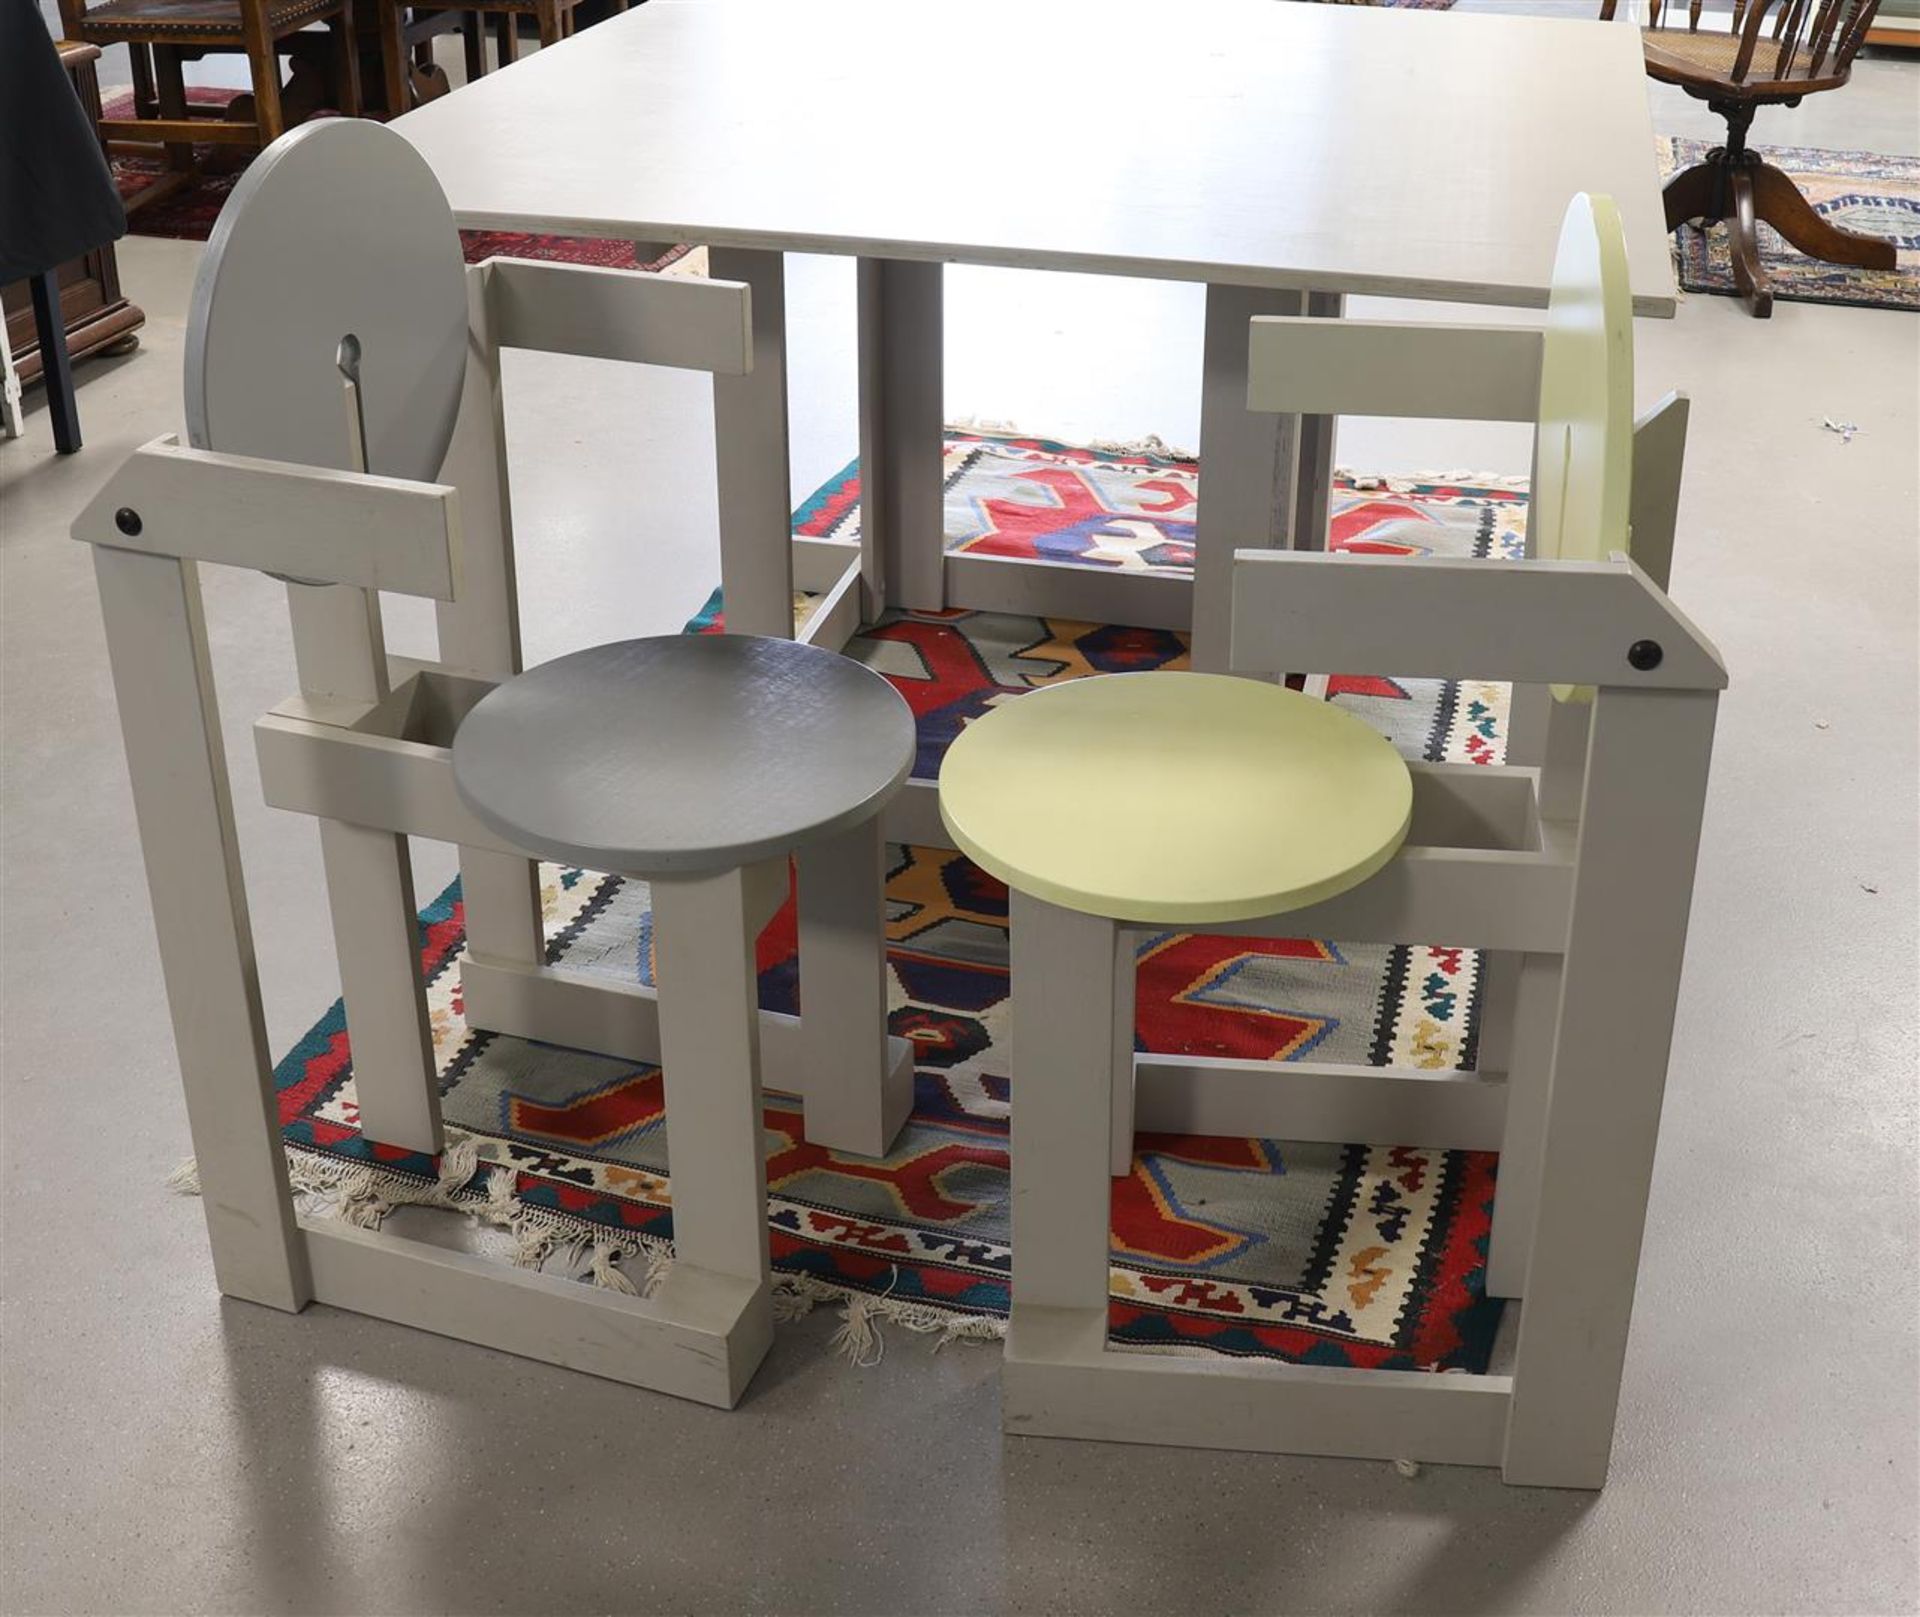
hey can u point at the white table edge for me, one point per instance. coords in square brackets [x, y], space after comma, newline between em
[1355, 284]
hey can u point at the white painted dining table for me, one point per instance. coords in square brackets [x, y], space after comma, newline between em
[1286, 155]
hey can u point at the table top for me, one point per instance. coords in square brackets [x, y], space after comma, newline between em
[1225, 799]
[1334, 148]
[683, 754]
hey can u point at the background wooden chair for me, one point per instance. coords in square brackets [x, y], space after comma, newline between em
[161, 34]
[423, 78]
[1775, 52]
[401, 27]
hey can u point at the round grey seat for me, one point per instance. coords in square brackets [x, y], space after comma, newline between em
[683, 754]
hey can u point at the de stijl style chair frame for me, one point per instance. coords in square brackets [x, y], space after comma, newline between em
[364, 747]
[1572, 869]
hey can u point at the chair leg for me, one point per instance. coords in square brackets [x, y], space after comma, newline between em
[393, 58]
[170, 95]
[1063, 980]
[1639, 838]
[710, 1060]
[370, 897]
[146, 100]
[1529, 1068]
[859, 1082]
[346, 62]
[473, 40]
[1743, 242]
[1120, 1042]
[263, 57]
[546, 13]
[506, 32]
[1693, 194]
[56, 370]
[1778, 200]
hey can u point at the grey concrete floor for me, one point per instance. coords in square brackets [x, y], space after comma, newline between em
[164, 1451]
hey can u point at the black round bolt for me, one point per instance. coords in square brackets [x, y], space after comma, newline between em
[127, 520]
[1645, 655]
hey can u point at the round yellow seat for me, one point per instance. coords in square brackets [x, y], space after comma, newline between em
[1175, 797]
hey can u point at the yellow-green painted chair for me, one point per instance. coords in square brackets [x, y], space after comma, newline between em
[1256, 810]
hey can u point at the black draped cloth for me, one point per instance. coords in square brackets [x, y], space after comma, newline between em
[57, 197]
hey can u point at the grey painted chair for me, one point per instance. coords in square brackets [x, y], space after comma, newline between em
[350, 442]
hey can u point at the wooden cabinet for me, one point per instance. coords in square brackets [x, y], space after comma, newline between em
[95, 314]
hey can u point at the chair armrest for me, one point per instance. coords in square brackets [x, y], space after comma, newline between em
[306, 523]
[632, 315]
[1454, 617]
[1301, 366]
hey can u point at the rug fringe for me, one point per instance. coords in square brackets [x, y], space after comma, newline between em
[1152, 444]
[1406, 482]
[363, 1195]
[605, 1275]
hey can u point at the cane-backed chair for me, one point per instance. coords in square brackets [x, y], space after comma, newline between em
[1774, 53]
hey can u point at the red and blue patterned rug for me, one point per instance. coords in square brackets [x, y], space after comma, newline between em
[1332, 1254]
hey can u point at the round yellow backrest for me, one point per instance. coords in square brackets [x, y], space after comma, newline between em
[1583, 456]
[1583, 474]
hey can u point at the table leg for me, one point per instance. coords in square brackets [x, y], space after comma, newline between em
[750, 454]
[1313, 490]
[902, 527]
[1248, 464]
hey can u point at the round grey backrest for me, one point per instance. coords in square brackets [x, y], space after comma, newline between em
[337, 230]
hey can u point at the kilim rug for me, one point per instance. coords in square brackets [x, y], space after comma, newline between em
[188, 214]
[1343, 1255]
[1859, 191]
